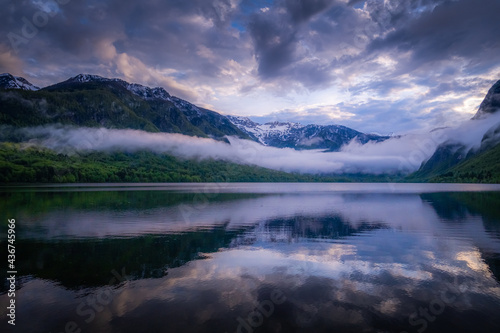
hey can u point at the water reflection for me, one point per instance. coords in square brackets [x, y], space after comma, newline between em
[131, 261]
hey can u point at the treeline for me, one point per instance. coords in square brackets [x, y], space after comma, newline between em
[482, 168]
[40, 165]
[479, 176]
[108, 105]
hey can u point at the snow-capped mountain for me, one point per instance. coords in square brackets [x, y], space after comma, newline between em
[149, 93]
[190, 110]
[89, 78]
[137, 89]
[144, 92]
[92, 100]
[298, 136]
[9, 81]
[115, 103]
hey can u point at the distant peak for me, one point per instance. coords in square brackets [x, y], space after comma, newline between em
[148, 93]
[135, 88]
[281, 123]
[241, 118]
[89, 78]
[276, 122]
[9, 81]
[242, 121]
[491, 102]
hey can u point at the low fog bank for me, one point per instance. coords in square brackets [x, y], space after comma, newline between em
[413, 149]
[402, 154]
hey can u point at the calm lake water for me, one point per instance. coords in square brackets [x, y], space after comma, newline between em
[254, 258]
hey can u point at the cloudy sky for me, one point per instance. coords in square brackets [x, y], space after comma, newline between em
[377, 66]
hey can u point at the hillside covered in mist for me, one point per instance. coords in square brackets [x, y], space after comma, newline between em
[94, 129]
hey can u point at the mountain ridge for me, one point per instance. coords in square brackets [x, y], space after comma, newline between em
[9, 81]
[451, 158]
[145, 92]
[93, 100]
[491, 102]
[298, 136]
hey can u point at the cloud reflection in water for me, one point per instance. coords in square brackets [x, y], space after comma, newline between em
[344, 261]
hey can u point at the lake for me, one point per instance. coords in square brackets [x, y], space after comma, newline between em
[235, 257]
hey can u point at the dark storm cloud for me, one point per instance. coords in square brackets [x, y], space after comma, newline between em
[394, 53]
[295, 40]
[462, 28]
[278, 36]
[275, 43]
[168, 34]
[293, 32]
[396, 13]
[69, 36]
[303, 10]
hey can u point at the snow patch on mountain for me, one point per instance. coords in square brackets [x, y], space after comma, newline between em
[9, 81]
[148, 93]
[298, 136]
[262, 132]
[158, 93]
[82, 78]
[190, 110]
[135, 88]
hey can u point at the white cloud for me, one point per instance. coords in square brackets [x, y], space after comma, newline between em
[401, 154]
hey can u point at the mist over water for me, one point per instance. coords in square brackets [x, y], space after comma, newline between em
[399, 154]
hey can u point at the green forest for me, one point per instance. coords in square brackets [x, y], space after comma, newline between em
[41, 165]
[483, 168]
[111, 105]
[33, 164]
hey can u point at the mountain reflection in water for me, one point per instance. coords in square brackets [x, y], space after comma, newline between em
[148, 260]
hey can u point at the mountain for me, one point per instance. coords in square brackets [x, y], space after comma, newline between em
[455, 162]
[483, 167]
[297, 136]
[446, 156]
[146, 93]
[491, 102]
[8, 81]
[94, 101]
